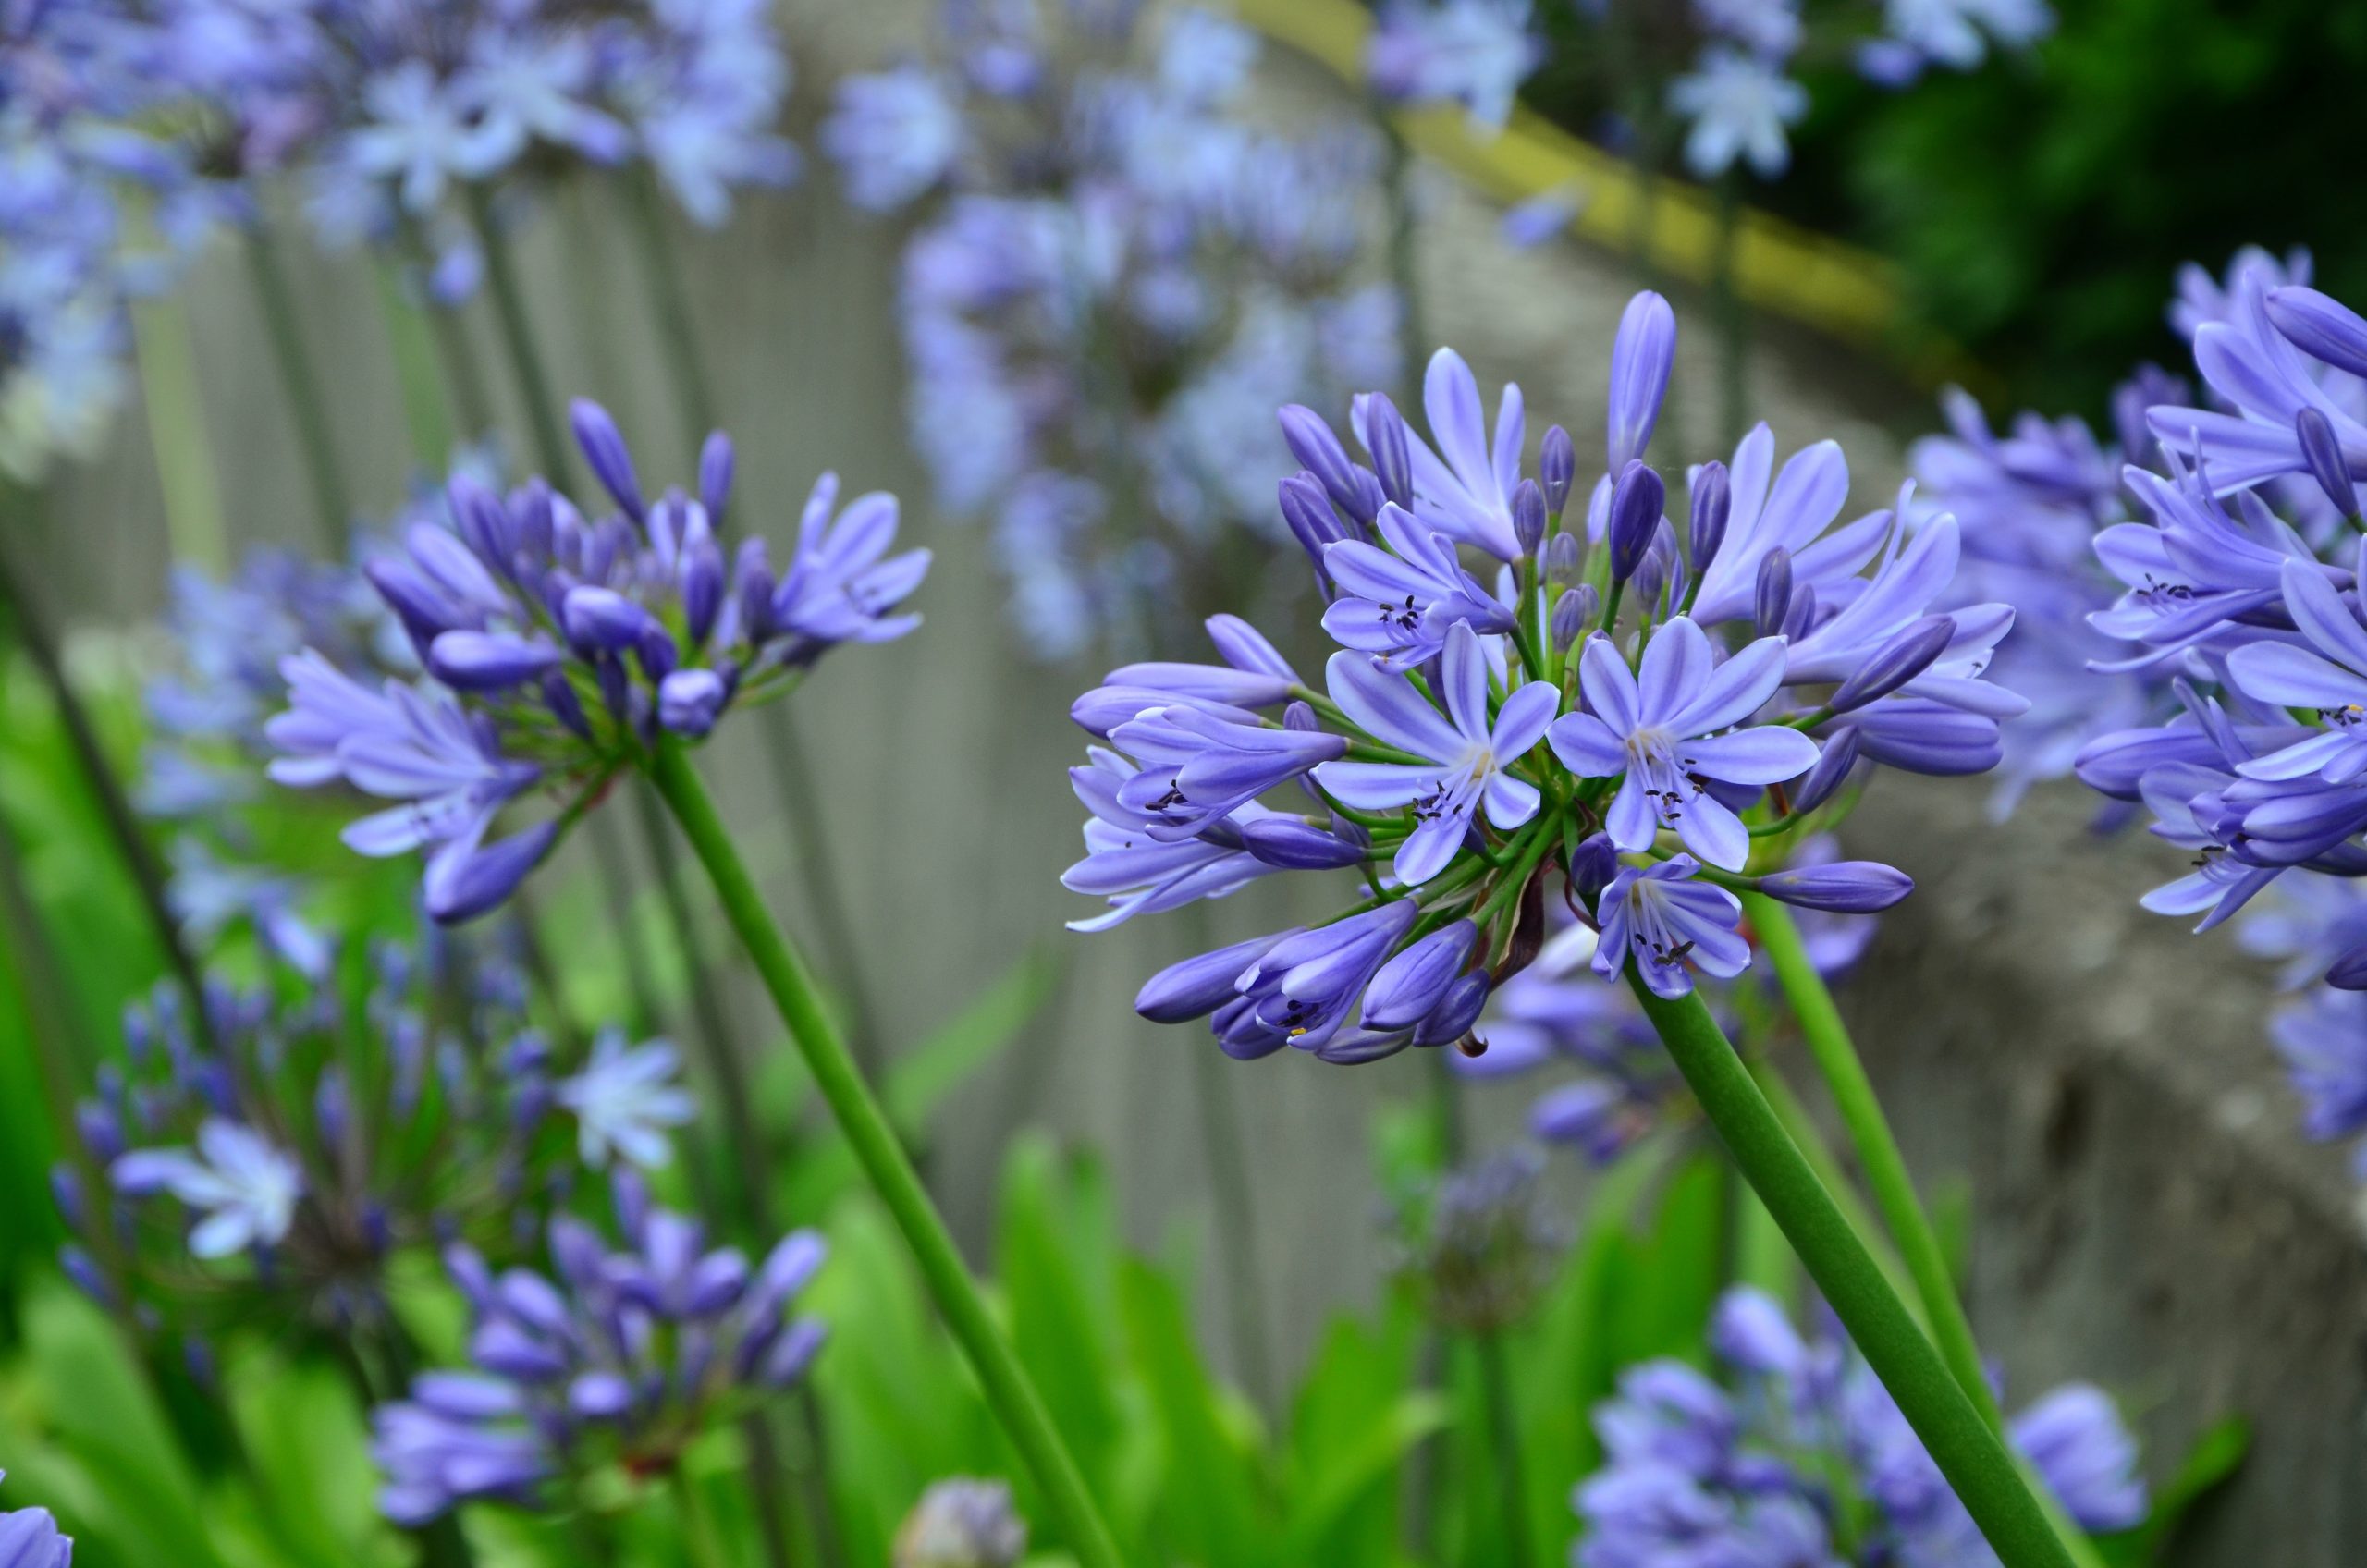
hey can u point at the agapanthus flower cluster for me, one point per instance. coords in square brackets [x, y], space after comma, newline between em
[390, 114]
[280, 1167]
[961, 1522]
[29, 1538]
[1554, 1011]
[2244, 599]
[1115, 282]
[1471, 53]
[558, 649]
[1800, 1458]
[1726, 68]
[1631, 721]
[1477, 1246]
[70, 156]
[613, 1359]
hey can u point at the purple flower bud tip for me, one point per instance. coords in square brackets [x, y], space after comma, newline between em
[2322, 454]
[1196, 986]
[1772, 600]
[1843, 887]
[1528, 516]
[1896, 662]
[1636, 503]
[604, 449]
[1831, 770]
[1309, 512]
[1592, 867]
[1297, 845]
[1557, 464]
[2349, 971]
[1572, 613]
[689, 701]
[717, 461]
[1561, 559]
[2321, 327]
[1642, 356]
[488, 661]
[1391, 455]
[602, 618]
[1456, 1012]
[1409, 985]
[1713, 502]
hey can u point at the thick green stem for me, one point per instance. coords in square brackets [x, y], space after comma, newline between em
[1496, 1387]
[1885, 1168]
[1878, 1155]
[873, 1140]
[728, 1076]
[800, 811]
[1969, 1453]
[300, 381]
[20, 616]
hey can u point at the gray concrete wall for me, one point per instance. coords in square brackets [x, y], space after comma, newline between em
[2147, 1215]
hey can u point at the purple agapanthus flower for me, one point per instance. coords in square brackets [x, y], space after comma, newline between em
[1468, 753]
[29, 1538]
[1669, 731]
[274, 1164]
[1734, 686]
[560, 648]
[1475, 53]
[2323, 1043]
[1803, 1461]
[618, 1355]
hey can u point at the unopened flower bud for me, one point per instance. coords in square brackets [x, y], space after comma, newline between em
[1457, 1011]
[1908, 655]
[1773, 600]
[1295, 844]
[717, 462]
[2322, 454]
[605, 451]
[1593, 865]
[1572, 613]
[1713, 502]
[1636, 502]
[1410, 984]
[1839, 756]
[1392, 461]
[1557, 464]
[689, 701]
[1561, 559]
[1843, 887]
[962, 1523]
[1528, 516]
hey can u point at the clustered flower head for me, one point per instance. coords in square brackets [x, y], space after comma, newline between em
[1477, 1246]
[611, 1359]
[29, 1538]
[1800, 1457]
[961, 1522]
[2239, 593]
[1473, 53]
[287, 1160]
[1738, 99]
[558, 648]
[1554, 1011]
[73, 159]
[388, 115]
[1115, 283]
[1631, 721]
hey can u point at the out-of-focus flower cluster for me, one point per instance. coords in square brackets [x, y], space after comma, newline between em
[614, 1358]
[961, 1522]
[558, 649]
[1802, 1458]
[73, 168]
[2213, 673]
[1472, 53]
[1729, 83]
[1632, 721]
[1476, 1245]
[276, 1162]
[1116, 280]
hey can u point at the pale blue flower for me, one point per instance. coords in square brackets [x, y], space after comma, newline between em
[244, 1187]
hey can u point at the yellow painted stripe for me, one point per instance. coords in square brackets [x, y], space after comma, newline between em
[1780, 268]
